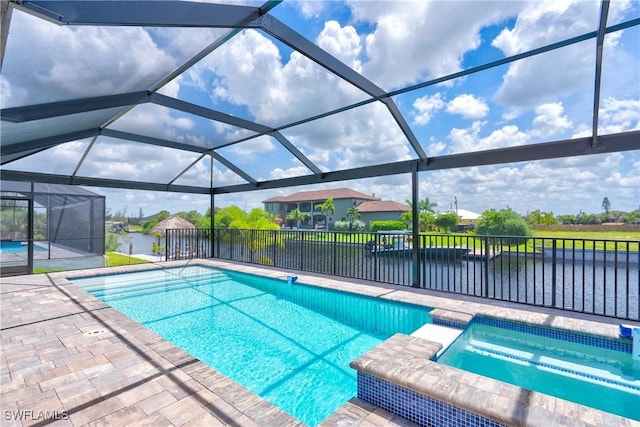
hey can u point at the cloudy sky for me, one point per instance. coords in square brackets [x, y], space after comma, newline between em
[394, 44]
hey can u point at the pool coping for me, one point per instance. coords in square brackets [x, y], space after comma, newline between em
[87, 359]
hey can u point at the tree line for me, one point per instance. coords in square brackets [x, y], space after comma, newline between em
[493, 221]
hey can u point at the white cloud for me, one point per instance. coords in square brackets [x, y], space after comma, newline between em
[468, 106]
[230, 133]
[151, 202]
[615, 116]
[619, 115]
[541, 185]
[620, 10]
[160, 122]
[550, 120]
[423, 40]
[172, 88]
[308, 9]
[369, 137]
[223, 176]
[426, 107]
[523, 187]
[469, 139]
[279, 173]
[113, 159]
[363, 136]
[435, 148]
[250, 72]
[407, 44]
[61, 159]
[67, 62]
[561, 73]
[341, 42]
[253, 147]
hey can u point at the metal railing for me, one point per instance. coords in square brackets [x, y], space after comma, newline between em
[592, 276]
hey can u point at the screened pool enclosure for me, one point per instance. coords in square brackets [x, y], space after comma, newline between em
[216, 99]
[50, 226]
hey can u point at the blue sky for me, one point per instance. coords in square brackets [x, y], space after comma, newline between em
[394, 44]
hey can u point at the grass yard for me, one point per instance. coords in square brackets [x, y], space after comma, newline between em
[602, 235]
[609, 240]
[116, 259]
[623, 240]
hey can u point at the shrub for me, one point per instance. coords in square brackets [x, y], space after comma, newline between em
[148, 225]
[504, 222]
[341, 225]
[355, 225]
[111, 241]
[358, 225]
[446, 221]
[387, 225]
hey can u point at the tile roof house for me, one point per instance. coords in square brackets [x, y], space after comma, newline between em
[381, 210]
[370, 207]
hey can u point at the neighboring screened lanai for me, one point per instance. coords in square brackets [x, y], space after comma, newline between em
[67, 224]
[209, 98]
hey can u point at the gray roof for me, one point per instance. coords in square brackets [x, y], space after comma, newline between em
[44, 188]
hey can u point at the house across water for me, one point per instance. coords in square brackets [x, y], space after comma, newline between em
[370, 208]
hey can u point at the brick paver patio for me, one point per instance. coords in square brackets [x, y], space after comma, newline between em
[68, 359]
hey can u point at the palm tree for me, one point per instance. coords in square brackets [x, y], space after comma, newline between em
[425, 205]
[297, 216]
[352, 214]
[249, 227]
[327, 207]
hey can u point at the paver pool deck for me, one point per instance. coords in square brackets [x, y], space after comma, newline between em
[68, 359]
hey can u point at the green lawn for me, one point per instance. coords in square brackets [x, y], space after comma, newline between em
[604, 235]
[598, 240]
[117, 259]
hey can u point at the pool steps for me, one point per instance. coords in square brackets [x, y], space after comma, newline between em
[444, 335]
[562, 367]
[125, 290]
[447, 326]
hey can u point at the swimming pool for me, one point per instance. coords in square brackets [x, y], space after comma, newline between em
[290, 344]
[8, 247]
[594, 372]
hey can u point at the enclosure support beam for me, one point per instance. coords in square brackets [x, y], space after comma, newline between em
[625, 141]
[212, 227]
[604, 12]
[415, 253]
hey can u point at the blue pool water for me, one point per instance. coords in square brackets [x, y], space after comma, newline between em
[603, 378]
[290, 344]
[17, 248]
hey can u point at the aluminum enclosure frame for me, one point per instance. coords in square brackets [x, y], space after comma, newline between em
[236, 18]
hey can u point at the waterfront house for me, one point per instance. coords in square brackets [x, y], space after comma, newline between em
[309, 201]
[369, 207]
[467, 219]
[381, 210]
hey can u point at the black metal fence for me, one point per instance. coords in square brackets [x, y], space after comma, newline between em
[584, 275]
